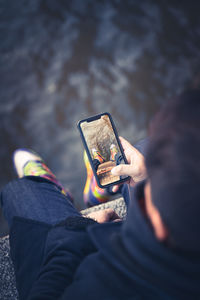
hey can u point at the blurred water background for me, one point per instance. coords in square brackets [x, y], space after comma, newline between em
[61, 61]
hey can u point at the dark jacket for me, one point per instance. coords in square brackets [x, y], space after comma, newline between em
[82, 260]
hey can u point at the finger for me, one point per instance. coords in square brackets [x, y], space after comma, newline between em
[112, 215]
[125, 143]
[106, 215]
[117, 220]
[115, 188]
[122, 170]
[129, 150]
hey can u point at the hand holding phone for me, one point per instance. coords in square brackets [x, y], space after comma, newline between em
[136, 167]
[103, 148]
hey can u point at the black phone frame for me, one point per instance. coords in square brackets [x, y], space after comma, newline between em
[94, 118]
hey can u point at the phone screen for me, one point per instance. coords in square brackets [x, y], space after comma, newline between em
[102, 144]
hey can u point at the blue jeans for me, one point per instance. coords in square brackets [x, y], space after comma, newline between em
[39, 199]
[36, 198]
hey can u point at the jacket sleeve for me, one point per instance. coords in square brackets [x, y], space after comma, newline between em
[64, 252]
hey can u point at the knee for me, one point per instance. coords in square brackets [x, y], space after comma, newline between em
[8, 190]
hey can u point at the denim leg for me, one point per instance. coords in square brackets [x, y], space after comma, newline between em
[36, 198]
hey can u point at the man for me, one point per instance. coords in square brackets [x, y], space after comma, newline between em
[154, 254]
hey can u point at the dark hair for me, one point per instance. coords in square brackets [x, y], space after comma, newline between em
[173, 167]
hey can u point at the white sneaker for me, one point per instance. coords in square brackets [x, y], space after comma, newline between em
[20, 159]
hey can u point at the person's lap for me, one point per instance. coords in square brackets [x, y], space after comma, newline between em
[39, 199]
[36, 198]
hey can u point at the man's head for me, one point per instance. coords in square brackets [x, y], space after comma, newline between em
[173, 167]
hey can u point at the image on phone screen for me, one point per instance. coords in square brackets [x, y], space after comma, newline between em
[103, 148]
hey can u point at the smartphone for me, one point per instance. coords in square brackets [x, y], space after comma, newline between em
[103, 148]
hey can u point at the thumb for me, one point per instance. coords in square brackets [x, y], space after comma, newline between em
[122, 170]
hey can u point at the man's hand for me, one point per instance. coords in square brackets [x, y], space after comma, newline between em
[135, 169]
[106, 215]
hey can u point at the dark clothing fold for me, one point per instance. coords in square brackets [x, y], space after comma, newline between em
[80, 259]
